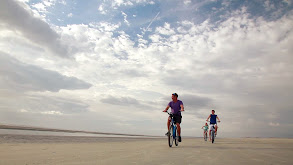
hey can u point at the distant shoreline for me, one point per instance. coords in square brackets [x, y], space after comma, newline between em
[22, 138]
[31, 128]
[7, 129]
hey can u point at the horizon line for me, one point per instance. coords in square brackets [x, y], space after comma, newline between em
[34, 128]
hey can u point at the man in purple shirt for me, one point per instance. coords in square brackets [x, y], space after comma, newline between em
[176, 109]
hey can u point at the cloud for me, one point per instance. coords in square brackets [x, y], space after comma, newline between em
[125, 18]
[125, 101]
[108, 6]
[69, 15]
[274, 124]
[187, 2]
[23, 77]
[195, 102]
[128, 101]
[13, 16]
[166, 30]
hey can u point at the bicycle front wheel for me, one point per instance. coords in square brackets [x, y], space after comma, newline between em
[170, 136]
[213, 136]
[175, 136]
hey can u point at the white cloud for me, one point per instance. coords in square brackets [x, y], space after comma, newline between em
[125, 18]
[115, 4]
[105, 26]
[69, 15]
[166, 30]
[23, 0]
[23, 110]
[120, 2]
[44, 5]
[274, 124]
[52, 113]
[40, 7]
[102, 10]
[187, 2]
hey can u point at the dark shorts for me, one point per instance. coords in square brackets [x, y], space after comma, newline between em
[177, 119]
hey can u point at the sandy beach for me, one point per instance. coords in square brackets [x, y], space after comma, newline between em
[31, 149]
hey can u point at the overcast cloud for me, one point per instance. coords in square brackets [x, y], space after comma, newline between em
[113, 65]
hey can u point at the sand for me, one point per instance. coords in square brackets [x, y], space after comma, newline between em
[21, 149]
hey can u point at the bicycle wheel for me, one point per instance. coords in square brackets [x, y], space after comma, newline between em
[175, 136]
[205, 137]
[213, 136]
[170, 136]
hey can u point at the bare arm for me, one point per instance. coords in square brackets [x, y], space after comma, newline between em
[182, 107]
[166, 109]
[218, 119]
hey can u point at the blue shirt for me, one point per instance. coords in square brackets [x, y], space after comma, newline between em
[175, 107]
[213, 119]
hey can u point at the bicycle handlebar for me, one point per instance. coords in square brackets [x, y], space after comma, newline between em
[210, 121]
[170, 113]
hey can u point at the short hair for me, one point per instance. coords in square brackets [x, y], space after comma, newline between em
[175, 94]
[214, 110]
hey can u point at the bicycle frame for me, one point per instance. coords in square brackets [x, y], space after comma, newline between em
[213, 135]
[205, 135]
[174, 128]
[172, 133]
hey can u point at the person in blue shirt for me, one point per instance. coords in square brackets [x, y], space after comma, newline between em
[213, 122]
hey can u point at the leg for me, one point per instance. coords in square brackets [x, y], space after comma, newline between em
[210, 134]
[178, 129]
[216, 128]
[168, 123]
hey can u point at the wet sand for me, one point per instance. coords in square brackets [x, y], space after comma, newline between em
[30, 149]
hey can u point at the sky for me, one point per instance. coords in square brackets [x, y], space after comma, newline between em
[112, 65]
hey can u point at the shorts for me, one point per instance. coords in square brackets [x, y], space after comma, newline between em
[211, 125]
[177, 119]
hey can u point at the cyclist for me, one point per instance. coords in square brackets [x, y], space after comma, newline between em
[205, 129]
[176, 109]
[213, 122]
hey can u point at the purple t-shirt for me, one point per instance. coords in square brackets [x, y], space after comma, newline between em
[175, 107]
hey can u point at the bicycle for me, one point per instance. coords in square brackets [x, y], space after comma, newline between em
[213, 135]
[205, 136]
[172, 133]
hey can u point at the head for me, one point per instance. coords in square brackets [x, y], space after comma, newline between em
[206, 123]
[174, 96]
[213, 111]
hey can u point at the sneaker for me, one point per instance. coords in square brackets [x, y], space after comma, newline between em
[179, 139]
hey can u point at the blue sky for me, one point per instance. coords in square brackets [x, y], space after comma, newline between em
[111, 66]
